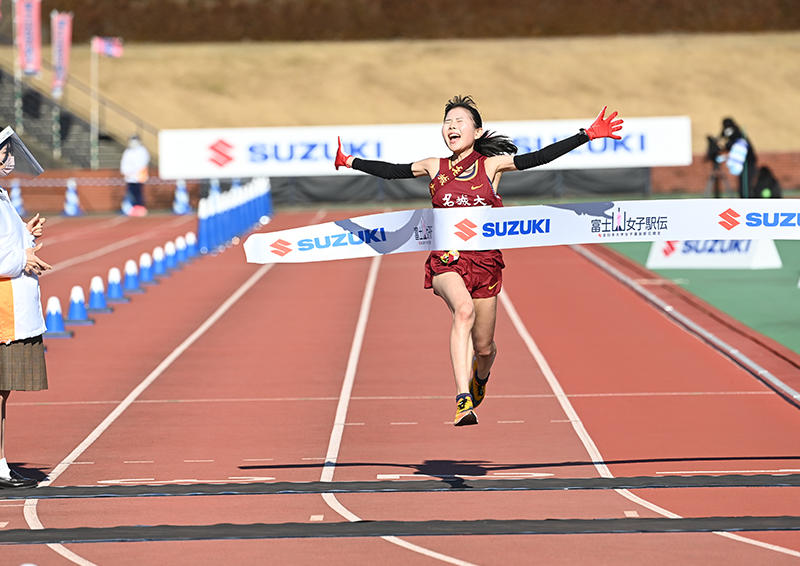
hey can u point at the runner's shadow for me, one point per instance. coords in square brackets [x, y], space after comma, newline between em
[34, 472]
[452, 472]
[447, 469]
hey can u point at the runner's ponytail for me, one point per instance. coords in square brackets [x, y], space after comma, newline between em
[490, 144]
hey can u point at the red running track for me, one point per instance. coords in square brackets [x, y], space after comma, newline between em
[234, 373]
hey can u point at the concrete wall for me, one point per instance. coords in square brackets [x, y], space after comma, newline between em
[99, 191]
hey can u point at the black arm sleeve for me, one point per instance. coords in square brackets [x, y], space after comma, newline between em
[383, 169]
[549, 153]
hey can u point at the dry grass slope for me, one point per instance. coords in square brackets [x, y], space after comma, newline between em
[752, 77]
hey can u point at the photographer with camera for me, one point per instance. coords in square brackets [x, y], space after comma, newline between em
[741, 157]
[735, 149]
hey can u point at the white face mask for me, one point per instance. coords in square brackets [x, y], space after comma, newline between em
[8, 166]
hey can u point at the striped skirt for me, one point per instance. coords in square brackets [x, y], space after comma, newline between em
[22, 366]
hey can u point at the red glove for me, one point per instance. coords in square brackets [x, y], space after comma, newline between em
[604, 127]
[341, 157]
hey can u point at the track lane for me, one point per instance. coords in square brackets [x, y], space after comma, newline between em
[416, 392]
[228, 361]
[520, 393]
[89, 375]
[76, 260]
[667, 427]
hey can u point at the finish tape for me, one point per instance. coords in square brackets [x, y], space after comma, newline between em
[488, 228]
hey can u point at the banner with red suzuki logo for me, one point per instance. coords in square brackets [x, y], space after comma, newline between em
[310, 151]
[484, 228]
[714, 254]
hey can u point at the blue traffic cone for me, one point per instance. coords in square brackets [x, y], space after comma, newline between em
[77, 315]
[212, 223]
[169, 256]
[126, 206]
[72, 204]
[115, 294]
[191, 245]
[16, 197]
[131, 284]
[180, 205]
[97, 296]
[265, 198]
[180, 249]
[159, 269]
[54, 320]
[203, 228]
[146, 270]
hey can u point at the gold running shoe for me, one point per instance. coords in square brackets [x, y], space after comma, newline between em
[465, 415]
[477, 387]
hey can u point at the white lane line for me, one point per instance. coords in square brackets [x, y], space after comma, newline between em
[509, 422]
[521, 474]
[387, 398]
[669, 394]
[100, 251]
[354, 424]
[341, 418]
[711, 472]
[126, 480]
[588, 443]
[197, 461]
[89, 230]
[93, 254]
[632, 514]
[314, 459]
[316, 518]
[495, 476]
[138, 461]
[185, 481]
[4, 523]
[30, 512]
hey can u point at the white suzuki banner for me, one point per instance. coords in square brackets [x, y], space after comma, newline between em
[310, 151]
[714, 254]
[484, 228]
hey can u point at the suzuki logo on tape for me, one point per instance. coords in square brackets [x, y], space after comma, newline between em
[466, 229]
[220, 153]
[280, 247]
[669, 247]
[729, 221]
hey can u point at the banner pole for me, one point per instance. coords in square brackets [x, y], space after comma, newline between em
[95, 119]
[55, 114]
[17, 72]
[56, 117]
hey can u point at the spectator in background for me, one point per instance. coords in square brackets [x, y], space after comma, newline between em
[741, 157]
[22, 364]
[134, 167]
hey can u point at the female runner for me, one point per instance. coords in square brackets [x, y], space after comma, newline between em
[469, 281]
